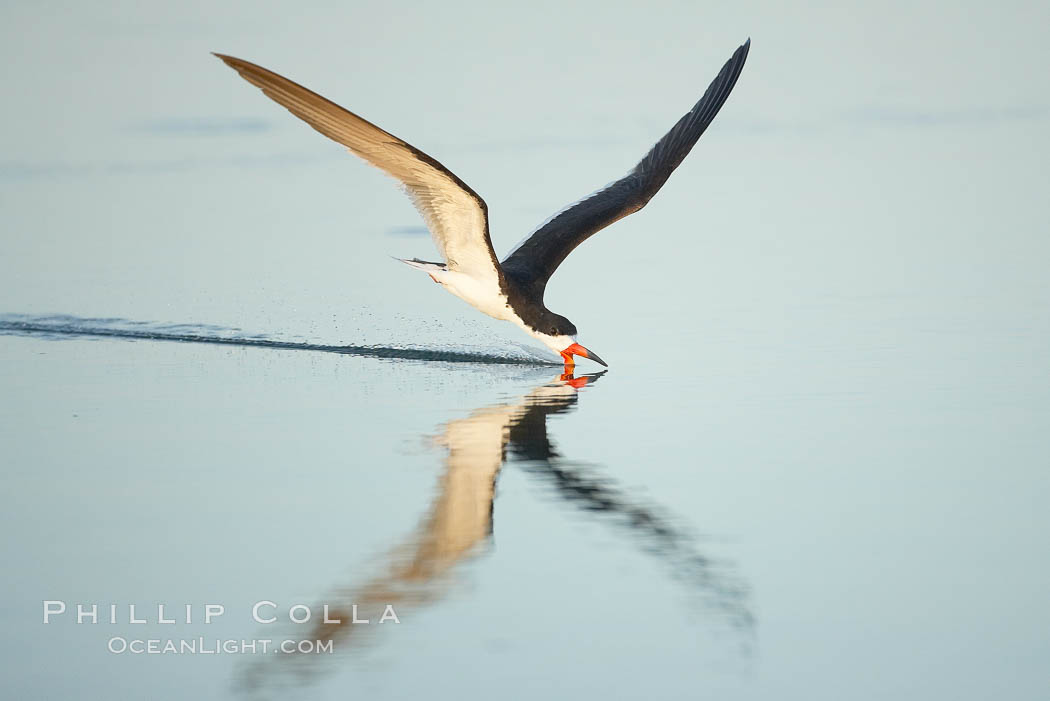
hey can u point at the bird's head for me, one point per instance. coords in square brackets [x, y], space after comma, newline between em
[559, 334]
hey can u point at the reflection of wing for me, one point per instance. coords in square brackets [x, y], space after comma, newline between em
[589, 491]
[717, 587]
[598, 495]
[461, 517]
[456, 216]
[459, 521]
[528, 435]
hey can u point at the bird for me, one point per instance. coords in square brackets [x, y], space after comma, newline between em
[457, 217]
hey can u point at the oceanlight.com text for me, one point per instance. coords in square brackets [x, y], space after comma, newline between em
[214, 646]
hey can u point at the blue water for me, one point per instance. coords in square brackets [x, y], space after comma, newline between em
[816, 467]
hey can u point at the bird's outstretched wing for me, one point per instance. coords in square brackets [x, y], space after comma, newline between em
[456, 216]
[539, 255]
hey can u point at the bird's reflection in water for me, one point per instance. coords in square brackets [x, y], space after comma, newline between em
[459, 524]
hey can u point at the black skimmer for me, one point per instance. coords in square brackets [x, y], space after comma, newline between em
[457, 217]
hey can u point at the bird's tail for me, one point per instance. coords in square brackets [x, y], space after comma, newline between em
[424, 265]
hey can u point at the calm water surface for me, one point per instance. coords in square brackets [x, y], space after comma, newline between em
[817, 467]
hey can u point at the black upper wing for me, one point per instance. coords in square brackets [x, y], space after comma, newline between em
[535, 260]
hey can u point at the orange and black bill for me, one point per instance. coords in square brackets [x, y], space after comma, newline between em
[577, 349]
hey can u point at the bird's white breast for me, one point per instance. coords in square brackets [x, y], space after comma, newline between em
[486, 297]
[483, 295]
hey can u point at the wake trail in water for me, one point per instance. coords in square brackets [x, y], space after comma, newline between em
[64, 326]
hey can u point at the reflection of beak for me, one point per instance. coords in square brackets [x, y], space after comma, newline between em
[577, 349]
[581, 381]
[574, 382]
